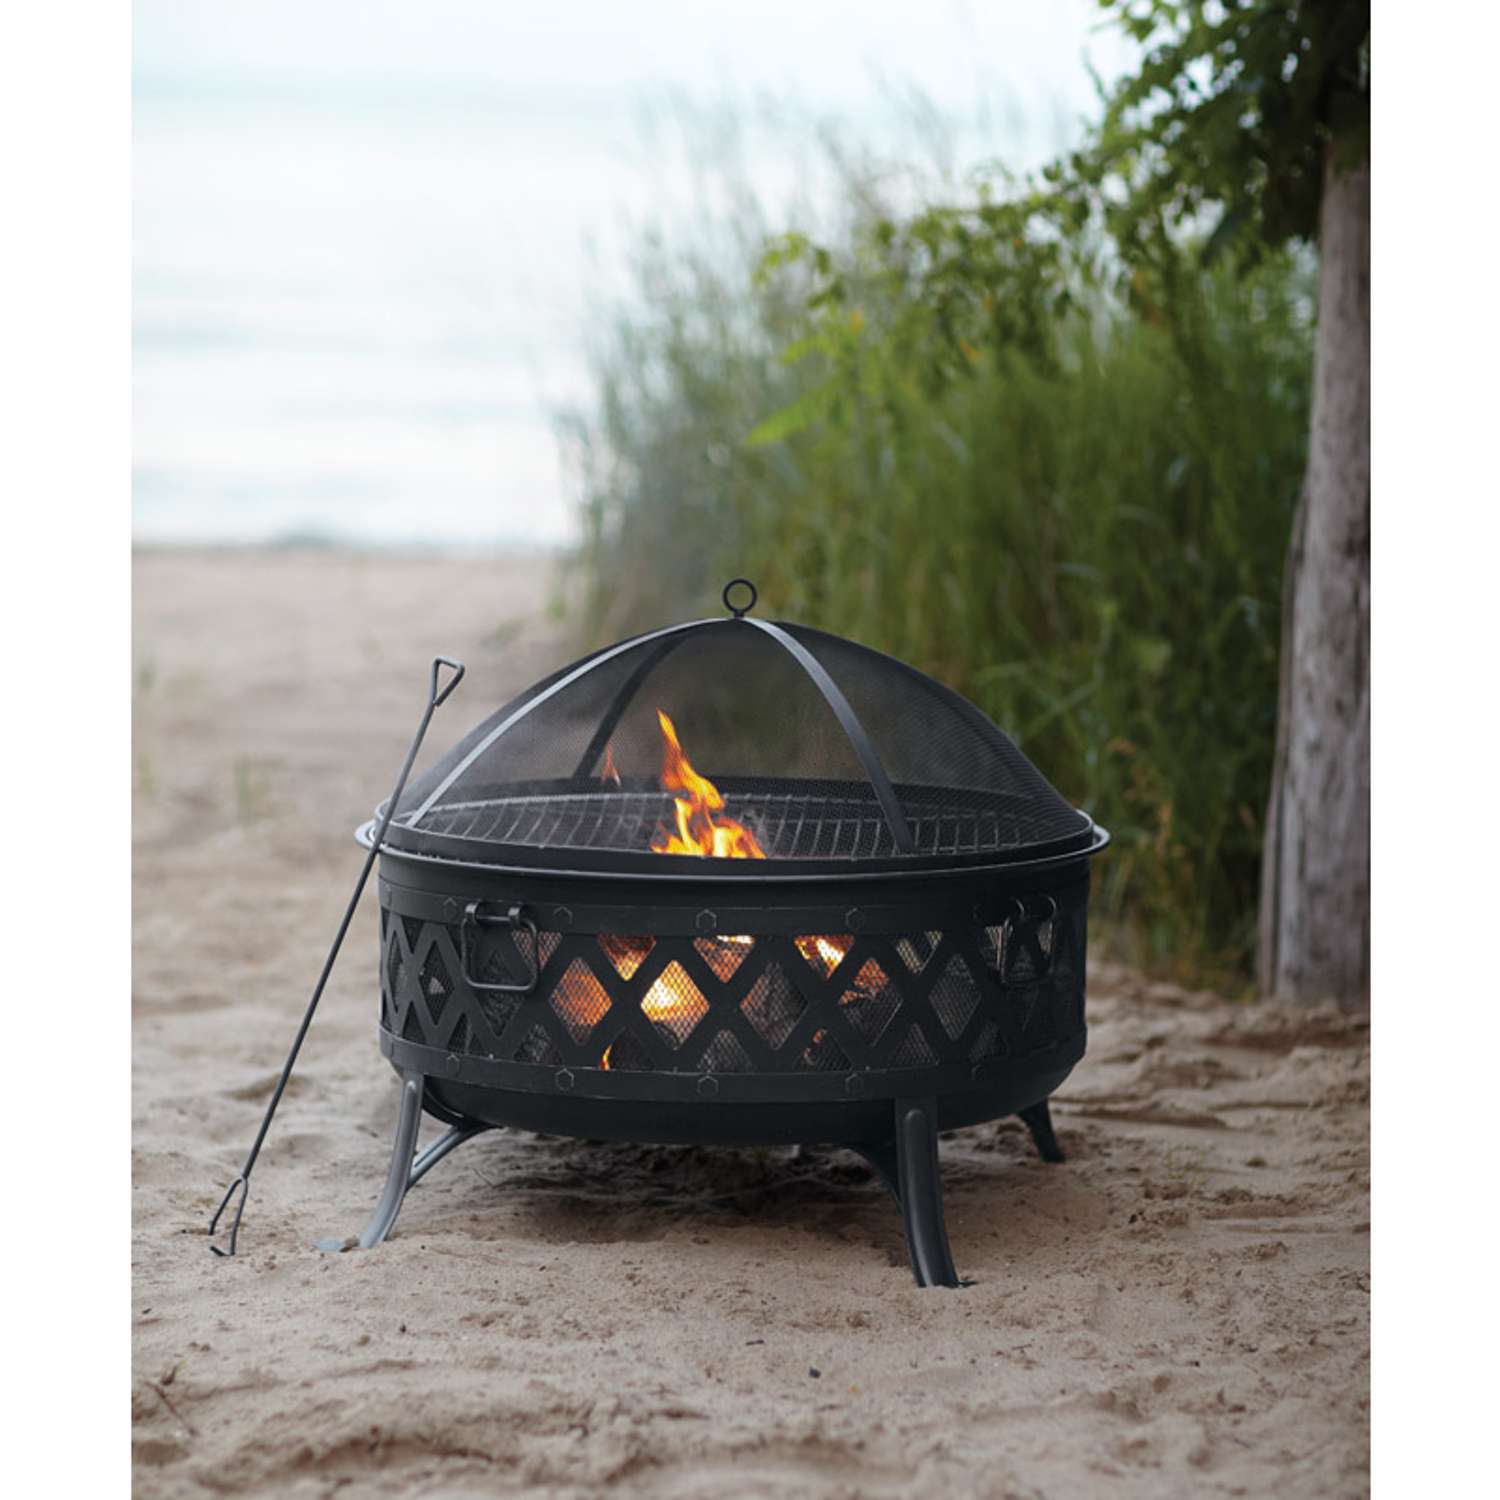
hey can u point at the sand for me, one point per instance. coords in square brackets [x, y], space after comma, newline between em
[1180, 1309]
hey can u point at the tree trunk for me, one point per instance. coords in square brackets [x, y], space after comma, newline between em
[1314, 940]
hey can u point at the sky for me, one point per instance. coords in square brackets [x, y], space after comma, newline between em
[368, 236]
[827, 50]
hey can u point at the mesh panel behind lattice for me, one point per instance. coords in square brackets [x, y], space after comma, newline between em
[395, 971]
[871, 1002]
[773, 1005]
[915, 1051]
[627, 1055]
[627, 954]
[823, 1054]
[437, 985]
[460, 1038]
[498, 1010]
[724, 955]
[987, 1044]
[916, 951]
[674, 1004]
[955, 996]
[537, 1047]
[725, 1055]
[580, 1000]
[1022, 962]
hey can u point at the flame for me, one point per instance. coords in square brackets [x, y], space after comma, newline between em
[825, 953]
[673, 1001]
[698, 831]
[609, 771]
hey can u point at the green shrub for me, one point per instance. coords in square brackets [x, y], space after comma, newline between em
[1087, 540]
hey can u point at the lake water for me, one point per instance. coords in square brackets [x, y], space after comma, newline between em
[361, 287]
[354, 321]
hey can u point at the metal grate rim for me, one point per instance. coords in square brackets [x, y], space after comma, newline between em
[789, 825]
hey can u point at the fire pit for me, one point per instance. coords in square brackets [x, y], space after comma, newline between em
[734, 881]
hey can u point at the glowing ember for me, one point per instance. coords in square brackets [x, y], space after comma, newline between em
[698, 830]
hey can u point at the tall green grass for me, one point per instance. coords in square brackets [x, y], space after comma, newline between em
[1089, 546]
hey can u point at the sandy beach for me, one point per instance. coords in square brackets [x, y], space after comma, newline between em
[1181, 1309]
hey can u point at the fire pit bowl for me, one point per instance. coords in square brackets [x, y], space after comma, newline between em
[734, 881]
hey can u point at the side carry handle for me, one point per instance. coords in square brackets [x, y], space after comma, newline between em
[475, 917]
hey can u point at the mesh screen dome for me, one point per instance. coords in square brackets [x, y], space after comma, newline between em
[749, 746]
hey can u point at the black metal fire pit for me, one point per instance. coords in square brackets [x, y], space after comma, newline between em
[733, 881]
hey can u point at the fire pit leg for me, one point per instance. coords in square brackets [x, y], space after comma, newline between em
[398, 1179]
[404, 1173]
[908, 1166]
[1038, 1120]
[450, 1140]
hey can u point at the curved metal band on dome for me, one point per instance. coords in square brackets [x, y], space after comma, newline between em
[622, 701]
[582, 670]
[864, 748]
